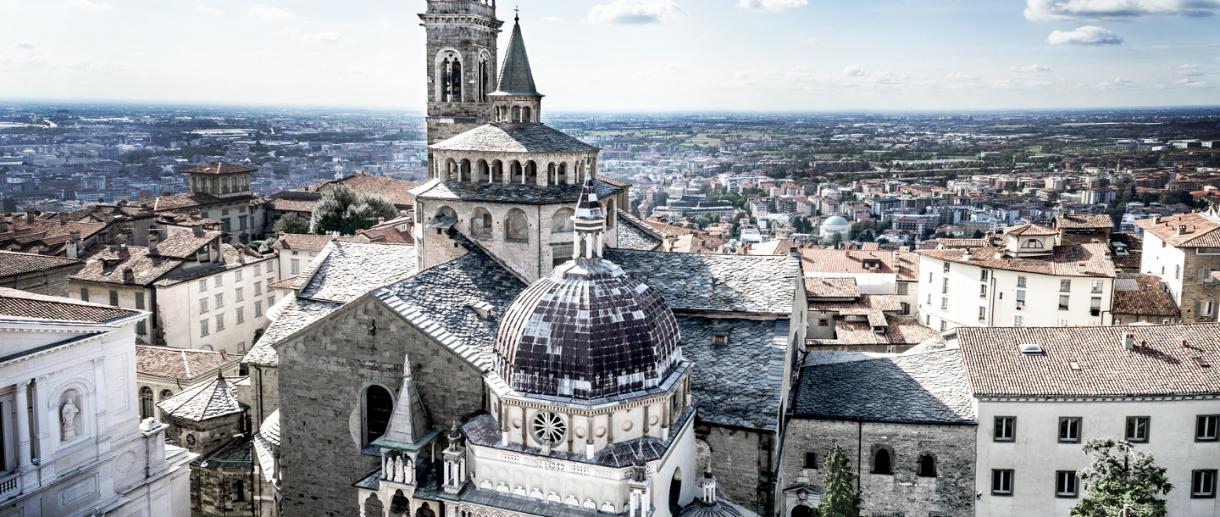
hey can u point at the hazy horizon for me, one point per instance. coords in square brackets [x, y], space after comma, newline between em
[630, 56]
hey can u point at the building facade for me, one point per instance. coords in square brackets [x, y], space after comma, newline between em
[72, 440]
[1183, 250]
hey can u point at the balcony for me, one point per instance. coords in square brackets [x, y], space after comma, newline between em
[10, 486]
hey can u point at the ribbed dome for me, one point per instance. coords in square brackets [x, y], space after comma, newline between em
[586, 331]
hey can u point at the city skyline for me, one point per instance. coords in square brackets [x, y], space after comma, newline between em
[631, 55]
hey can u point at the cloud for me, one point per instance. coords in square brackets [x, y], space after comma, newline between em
[89, 5]
[1117, 83]
[1191, 82]
[1085, 35]
[210, 11]
[634, 12]
[1189, 71]
[854, 71]
[773, 6]
[1030, 69]
[24, 45]
[270, 15]
[1042, 10]
[812, 41]
[324, 37]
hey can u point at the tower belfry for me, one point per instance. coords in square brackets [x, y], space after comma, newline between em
[460, 64]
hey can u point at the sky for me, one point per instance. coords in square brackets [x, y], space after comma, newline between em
[629, 55]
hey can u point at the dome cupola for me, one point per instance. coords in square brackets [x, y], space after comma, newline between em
[588, 330]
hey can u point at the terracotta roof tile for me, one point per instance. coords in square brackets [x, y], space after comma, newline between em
[1143, 295]
[1200, 230]
[22, 304]
[181, 363]
[1159, 364]
[1087, 260]
[1084, 222]
[218, 168]
[14, 264]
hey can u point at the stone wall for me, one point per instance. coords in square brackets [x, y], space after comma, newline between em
[222, 491]
[1194, 291]
[741, 460]
[950, 493]
[53, 283]
[322, 377]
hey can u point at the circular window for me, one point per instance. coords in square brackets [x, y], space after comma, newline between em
[190, 440]
[548, 427]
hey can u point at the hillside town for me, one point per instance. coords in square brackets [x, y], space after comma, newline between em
[488, 311]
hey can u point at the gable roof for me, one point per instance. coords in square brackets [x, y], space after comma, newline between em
[1200, 230]
[926, 388]
[633, 234]
[1084, 260]
[14, 264]
[737, 383]
[181, 363]
[346, 270]
[1083, 222]
[1143, 295]
[1158, 366]
[763, 284]
[26, 305]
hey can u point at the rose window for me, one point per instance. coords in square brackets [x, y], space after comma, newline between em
[548, 428]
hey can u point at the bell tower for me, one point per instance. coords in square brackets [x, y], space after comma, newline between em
[460, 64]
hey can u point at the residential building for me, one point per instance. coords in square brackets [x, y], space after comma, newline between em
[41, 274]
[73, 442]
[1020, 277]
[221, 192]
[201, 293]
[1183, 250]
[1041, 393]
[841, 318]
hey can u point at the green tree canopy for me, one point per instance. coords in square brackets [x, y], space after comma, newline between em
[839, 495]
[1121, 477]
[342, 210]
[291, 223]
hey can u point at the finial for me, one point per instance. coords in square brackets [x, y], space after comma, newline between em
[516, 14]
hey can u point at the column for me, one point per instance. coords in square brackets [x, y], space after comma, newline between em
[23, 424]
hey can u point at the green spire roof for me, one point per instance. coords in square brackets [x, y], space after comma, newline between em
[516, 77]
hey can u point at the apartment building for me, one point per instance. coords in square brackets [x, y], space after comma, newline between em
[1183, 250]
[1041, 393]
[1019, 277]
[874, 271]
[200, 292]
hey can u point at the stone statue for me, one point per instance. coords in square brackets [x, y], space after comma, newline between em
[67, 419]
[398, 469]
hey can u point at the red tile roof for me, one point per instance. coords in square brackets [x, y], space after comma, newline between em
[22, 304]
[1092, 361]
[181, 364]
[14, 264]
[1087, 260]
[218, 168]
[1200, 230]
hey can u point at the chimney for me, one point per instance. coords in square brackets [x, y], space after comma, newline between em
[1129, 341]
[154, 238]
[129, 276]
[73, 246]
[123, 251]
[29, 215]
[1181, 229]
[197, 230]
[63, 218]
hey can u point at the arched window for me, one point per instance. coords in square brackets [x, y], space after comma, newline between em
[399, 504]
[146, 402]
[166, 394]
[927, 466]
[526, 114]
[883, 462]
[801, 510]
[378, 406]
[516, 226]
[561, 222]
[675, 492]
[465, 170]
[516, 114]
[455, 81]
[425, 511]
[484, 79]
[482, 172]
[531, 173]
[1032, 244]
[480, 223]
[516, 174]
[445, 213]
[497, 171]
[373, 506]
[561, 175]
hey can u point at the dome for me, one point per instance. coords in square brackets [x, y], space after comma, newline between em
[587, 331]
[835, 221]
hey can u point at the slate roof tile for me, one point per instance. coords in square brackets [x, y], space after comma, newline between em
[710, 282]
[929, 387]
[737, 383]
[204, 402]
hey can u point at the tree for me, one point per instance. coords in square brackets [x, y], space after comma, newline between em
[1121, 477]
[291, 223]
[839, 497]
[342, 210]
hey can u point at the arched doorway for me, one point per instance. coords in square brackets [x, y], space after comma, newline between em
[400, 506]
[373, 506]
[675, 492]
[425, 511]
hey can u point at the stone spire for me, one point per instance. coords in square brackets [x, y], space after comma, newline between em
[589, 224]
[409, 422]
[516, 99]
[516, 78]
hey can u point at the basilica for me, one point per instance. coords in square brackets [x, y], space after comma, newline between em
[532, 353]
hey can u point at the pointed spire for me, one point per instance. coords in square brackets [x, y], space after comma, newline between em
[516, 78]
[409, 422]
